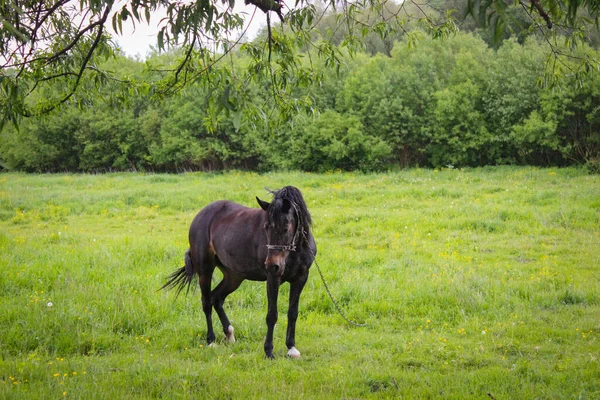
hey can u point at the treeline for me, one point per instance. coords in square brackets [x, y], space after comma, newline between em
[442, 102]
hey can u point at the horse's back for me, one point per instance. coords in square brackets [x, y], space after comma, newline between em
[232, 233]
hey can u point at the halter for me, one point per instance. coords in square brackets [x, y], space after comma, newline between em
[292, 245]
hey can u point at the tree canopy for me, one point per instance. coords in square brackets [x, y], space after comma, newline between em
[452, 103]
[52, 50]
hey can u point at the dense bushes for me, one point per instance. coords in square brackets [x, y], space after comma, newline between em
[455, 102]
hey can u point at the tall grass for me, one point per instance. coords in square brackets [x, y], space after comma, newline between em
[470, 282]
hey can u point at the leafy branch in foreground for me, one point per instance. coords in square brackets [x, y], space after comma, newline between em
[50, 48]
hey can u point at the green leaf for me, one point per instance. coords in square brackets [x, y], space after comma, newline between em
[160, 38]
[135, 12]
[21, 36]
[236, 119]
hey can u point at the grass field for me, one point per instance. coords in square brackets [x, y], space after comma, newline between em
[478, 283]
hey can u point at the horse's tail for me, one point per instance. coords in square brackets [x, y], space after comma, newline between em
[182, 277]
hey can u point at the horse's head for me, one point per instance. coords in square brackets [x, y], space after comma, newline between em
[287, 223]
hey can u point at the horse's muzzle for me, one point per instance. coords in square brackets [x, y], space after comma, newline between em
[275, 263]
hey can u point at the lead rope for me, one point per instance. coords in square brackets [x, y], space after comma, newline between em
[335, 303]
[337, 307]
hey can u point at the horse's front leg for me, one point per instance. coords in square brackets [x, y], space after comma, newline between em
[273, 283]
[295, 291]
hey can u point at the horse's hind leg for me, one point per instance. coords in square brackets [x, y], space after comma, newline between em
[223, 289]
[205, 273]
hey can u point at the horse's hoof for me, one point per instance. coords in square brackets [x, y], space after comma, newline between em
[229, 335]
[293, 353]
[213, 344]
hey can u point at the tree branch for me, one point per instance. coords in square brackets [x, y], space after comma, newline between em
[100, 23]
[536, 4]
[267, 5]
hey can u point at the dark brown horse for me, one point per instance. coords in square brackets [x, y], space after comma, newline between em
[272, 243]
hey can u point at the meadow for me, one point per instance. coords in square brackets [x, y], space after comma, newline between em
[473, 283]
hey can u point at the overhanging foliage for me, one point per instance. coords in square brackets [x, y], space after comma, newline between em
[52, 49]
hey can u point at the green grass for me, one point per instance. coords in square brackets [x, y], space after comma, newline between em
[470, 282]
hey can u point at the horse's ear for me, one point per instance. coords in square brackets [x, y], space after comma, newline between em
[263, 204]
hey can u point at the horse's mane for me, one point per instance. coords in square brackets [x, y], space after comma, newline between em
[294, 196]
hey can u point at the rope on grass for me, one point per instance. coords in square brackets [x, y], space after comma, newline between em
[335, 303]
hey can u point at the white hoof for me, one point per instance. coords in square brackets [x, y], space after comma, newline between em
[213, 344]
[229, 335]
[293, 353]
